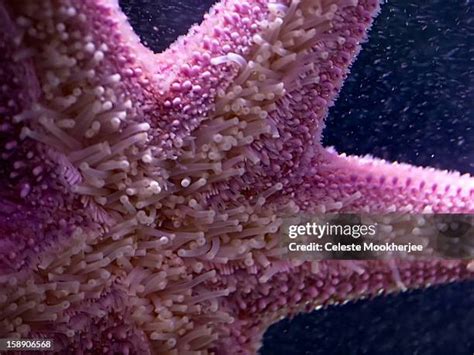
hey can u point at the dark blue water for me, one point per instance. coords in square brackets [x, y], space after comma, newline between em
[409, 98]
[411, 91]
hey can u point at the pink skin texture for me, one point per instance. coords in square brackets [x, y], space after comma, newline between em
[141, 194]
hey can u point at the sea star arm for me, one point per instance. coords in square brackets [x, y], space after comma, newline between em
[347, 183]
[338, 183]
[294, 289]
[278, 65]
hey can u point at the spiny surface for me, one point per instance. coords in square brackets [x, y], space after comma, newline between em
[142, 193]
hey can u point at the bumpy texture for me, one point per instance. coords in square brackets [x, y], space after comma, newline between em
[141, 193]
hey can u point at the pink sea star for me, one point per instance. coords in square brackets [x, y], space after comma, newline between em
[141, 193]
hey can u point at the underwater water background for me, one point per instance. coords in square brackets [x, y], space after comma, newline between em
[409, 98]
